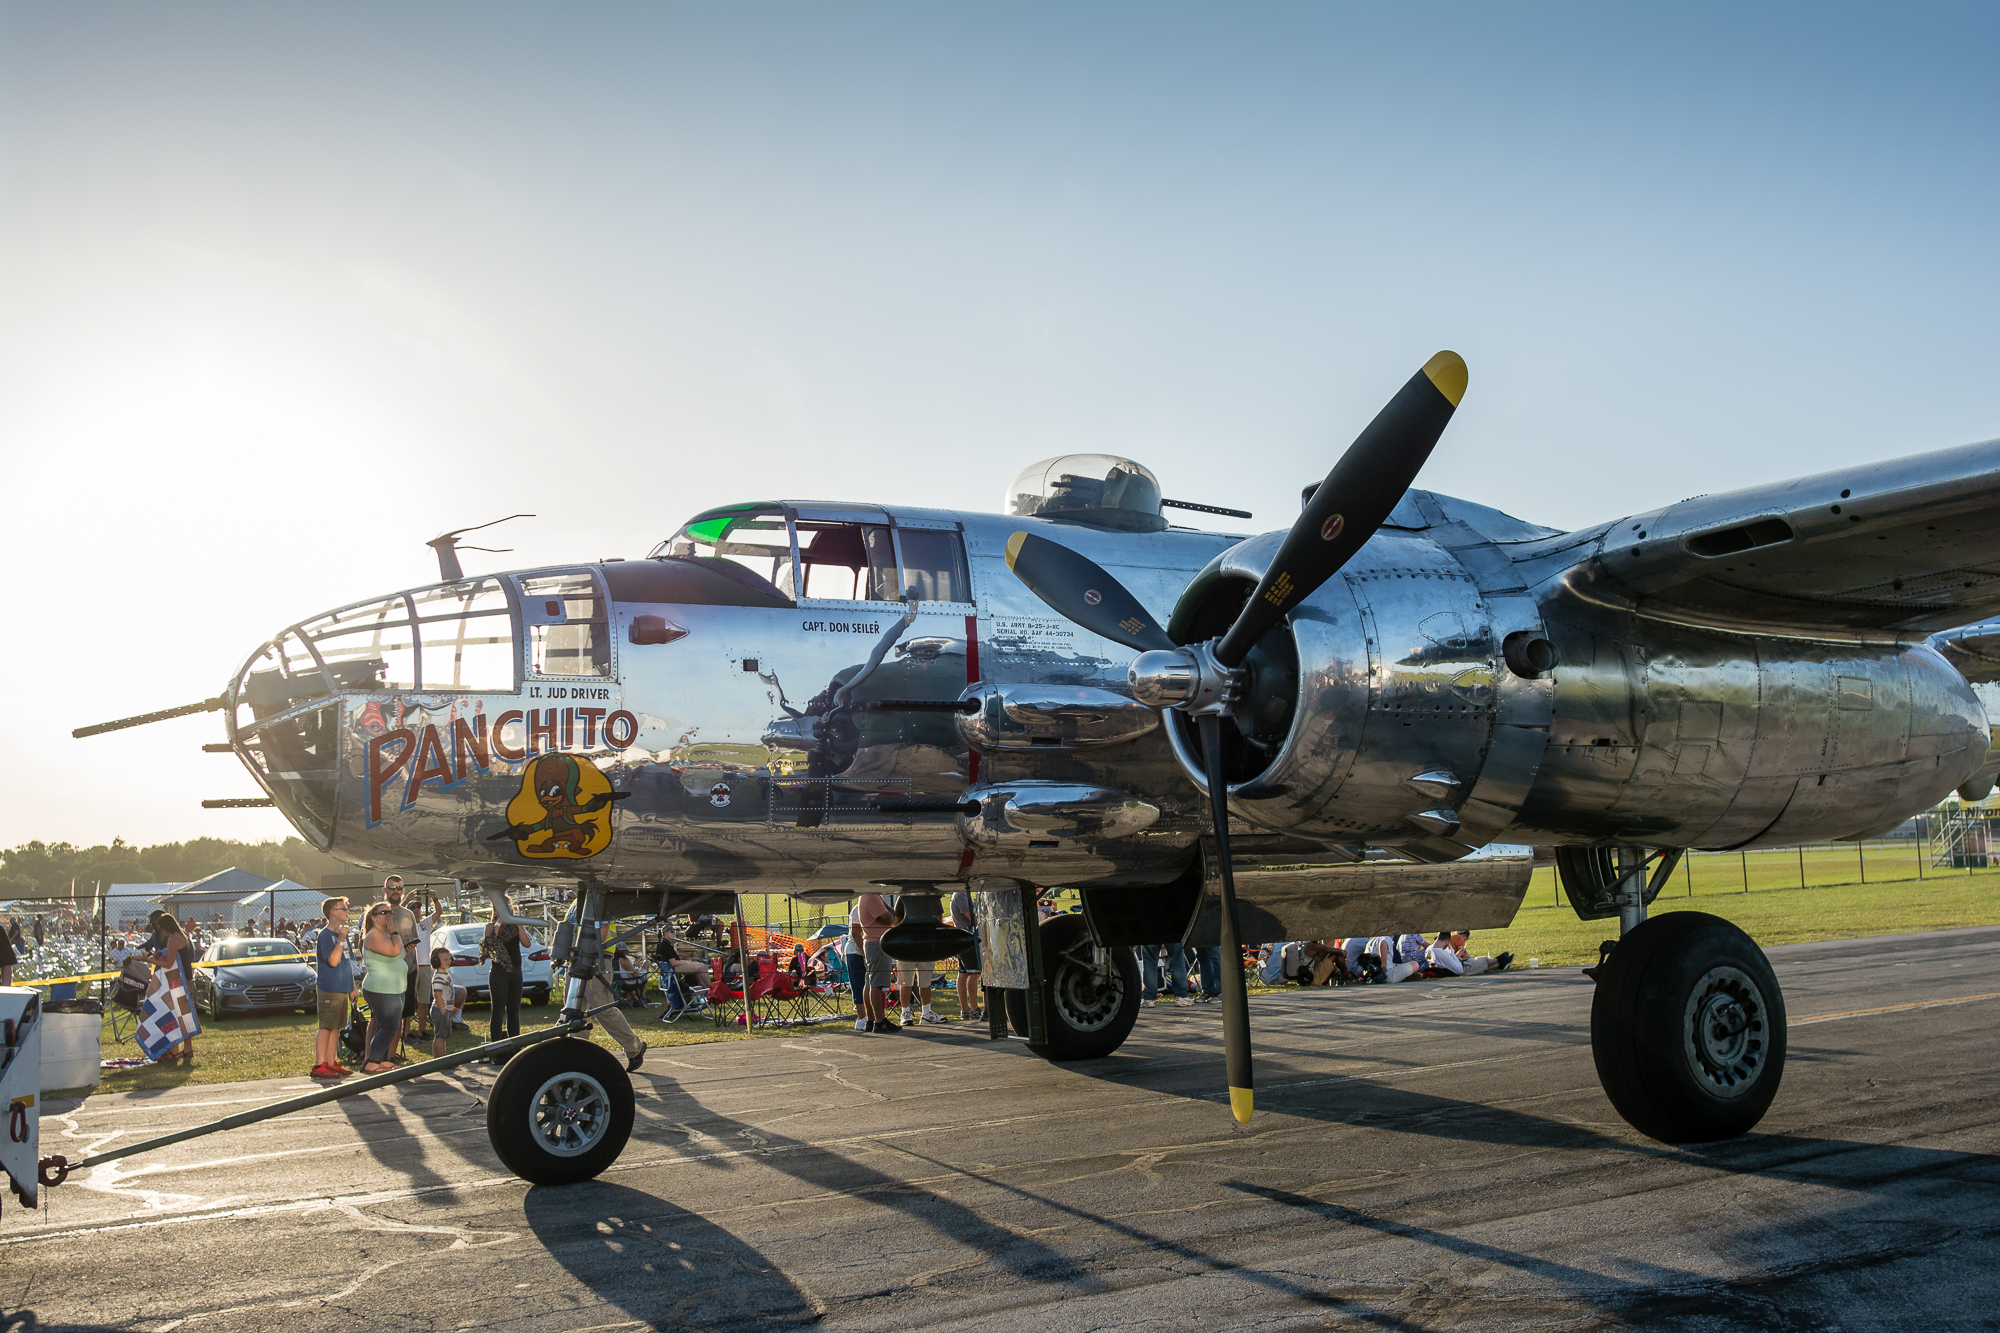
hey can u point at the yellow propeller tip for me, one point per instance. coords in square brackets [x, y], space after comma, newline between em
[1239, 1104]
[1447, 371]
[1014, 544]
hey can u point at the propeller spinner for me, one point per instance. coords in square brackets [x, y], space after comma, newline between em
[1206, 680]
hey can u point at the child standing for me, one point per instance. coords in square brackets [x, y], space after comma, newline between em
[444, 999]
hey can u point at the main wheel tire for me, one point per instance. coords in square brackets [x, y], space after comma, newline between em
[560, 1112]
[1688, 1029]
[1088, 1016]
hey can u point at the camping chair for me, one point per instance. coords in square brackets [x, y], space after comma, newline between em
[676, 996]
[726, 1002]
[126, 993]
[782, 998]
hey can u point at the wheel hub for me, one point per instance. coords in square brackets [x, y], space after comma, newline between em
[1724, 1032]
[1087, 998]
[570, 1114]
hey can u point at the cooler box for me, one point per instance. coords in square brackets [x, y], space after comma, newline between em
[72, 1044]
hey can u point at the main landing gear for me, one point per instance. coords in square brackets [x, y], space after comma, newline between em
[1090, 997]
[1688, 1029]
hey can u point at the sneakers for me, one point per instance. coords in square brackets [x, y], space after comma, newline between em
[861, 1025]
[930, 1016]
[328, 1071]
[1204, 998]
[887, 1025]
[1501, 963]
[907, 1021]
[638, 1058]
[1184, 1002]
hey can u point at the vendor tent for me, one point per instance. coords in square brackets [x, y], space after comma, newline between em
[293, 901]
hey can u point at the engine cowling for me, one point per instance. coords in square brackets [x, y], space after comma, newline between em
[1385, 711]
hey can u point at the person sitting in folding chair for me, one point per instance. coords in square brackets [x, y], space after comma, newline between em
[631, 977]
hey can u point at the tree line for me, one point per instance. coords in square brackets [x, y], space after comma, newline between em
[43, 868]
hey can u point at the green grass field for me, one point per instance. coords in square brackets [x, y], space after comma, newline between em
[1775, 911]
[1833, 904]
[281, 1045]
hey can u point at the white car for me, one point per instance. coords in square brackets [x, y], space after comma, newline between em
[468, 969]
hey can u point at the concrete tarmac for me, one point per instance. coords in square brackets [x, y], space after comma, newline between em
[1429, 1155]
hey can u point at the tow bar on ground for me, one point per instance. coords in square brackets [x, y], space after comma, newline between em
[54, 1169]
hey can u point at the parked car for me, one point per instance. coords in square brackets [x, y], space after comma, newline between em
[253, 974]
[469, 970]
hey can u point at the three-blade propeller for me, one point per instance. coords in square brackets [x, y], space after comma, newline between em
[1343, 513]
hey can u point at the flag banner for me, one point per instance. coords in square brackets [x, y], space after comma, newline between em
[166, 1017]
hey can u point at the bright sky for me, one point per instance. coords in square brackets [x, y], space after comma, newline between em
[287, 290]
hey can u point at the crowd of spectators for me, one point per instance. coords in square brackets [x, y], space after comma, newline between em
[1375, 960]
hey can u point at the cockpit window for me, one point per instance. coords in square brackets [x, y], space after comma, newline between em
[753, 537]
[567, 634]
[841, 559]
[846, 562]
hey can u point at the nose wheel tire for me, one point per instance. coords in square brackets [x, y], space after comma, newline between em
[1090, 1014]
[1688, 1029]
[560, 1112]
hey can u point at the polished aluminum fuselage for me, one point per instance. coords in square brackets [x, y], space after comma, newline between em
[1647, 730]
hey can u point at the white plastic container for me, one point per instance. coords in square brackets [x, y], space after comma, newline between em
[72, 1047]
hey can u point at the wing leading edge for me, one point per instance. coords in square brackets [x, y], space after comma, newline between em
[1902, 547]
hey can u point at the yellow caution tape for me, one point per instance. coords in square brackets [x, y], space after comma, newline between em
[220, 962]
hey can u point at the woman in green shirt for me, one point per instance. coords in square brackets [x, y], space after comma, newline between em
[387, 978]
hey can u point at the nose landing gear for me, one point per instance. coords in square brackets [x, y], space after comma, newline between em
[560, 1112]
[1688, 1029]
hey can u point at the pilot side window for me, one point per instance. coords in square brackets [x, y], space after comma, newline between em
[845, 562]
[567, 635]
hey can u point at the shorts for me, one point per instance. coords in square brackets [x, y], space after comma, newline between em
[915, 974]
[332, 1010]
[969, 960]
[421, 978]
[881, 968]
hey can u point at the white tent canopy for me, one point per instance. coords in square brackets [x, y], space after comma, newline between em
[294, 901]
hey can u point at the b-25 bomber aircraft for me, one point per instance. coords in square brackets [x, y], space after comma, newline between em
[1366, 723]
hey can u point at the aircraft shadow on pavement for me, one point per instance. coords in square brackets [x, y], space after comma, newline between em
[378, 1120]
[647, 1255]
[655, 1260]
[1811, 1273]
[1358, 1099]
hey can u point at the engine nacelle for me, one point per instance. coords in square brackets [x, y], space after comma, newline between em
[1386, 712]
[1407, 706]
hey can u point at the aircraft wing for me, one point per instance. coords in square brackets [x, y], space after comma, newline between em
[1902, 547]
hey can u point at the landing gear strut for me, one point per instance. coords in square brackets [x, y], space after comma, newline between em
[1688, 1029]
[1090, 1006]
